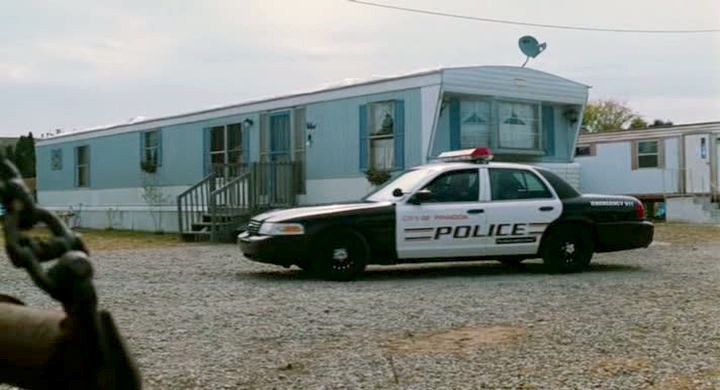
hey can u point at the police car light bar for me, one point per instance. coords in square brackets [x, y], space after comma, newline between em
[481, 154]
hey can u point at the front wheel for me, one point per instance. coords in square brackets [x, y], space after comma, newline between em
[567, 249]
[341, 255]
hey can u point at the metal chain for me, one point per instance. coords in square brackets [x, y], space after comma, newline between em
[89, 338]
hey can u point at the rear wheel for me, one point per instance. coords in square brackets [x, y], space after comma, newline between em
[340, 255]
[567, 248]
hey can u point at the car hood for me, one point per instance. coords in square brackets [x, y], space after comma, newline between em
[319, 210]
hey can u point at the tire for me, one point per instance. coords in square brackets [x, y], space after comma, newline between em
[305, 266]
[340, 255]
[567, 248]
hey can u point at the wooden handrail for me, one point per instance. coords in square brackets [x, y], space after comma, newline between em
[190, 202]
[256, 187]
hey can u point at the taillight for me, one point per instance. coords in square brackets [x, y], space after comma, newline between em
[639, 210]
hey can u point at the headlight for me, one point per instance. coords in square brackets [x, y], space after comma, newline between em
[281, 229]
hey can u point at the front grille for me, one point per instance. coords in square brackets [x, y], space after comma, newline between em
[254, 227]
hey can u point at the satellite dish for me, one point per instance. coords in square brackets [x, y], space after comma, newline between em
[531, 47]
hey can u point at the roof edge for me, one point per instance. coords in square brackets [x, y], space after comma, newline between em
[250, 102]
[670, 130]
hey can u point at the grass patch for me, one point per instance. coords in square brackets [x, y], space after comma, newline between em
[108, 240]
[686, 234]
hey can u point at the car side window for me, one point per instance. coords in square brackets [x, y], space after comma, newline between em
[514, 184]
[455, 186]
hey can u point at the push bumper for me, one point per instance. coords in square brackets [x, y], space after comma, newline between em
[618, 236]
[280, 250]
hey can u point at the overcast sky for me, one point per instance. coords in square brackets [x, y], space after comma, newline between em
[75, 64]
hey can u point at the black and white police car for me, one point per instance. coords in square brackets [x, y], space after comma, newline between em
[461, 208]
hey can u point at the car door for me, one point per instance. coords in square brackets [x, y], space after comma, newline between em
[520, 207]
[439, 219]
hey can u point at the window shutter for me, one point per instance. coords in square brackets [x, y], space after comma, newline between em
[454, 124]
[548, 128]
[399, 135]
[245, 131]
[363, 137]
[661, 153]
[88, 155]
[264, 137]
[634, 155]
[75, 166]
[159, 147]
[206, 151]
[142, 146]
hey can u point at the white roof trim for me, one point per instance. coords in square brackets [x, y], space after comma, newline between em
[519, 68]
[405, 82]
[660, 132]
[412, 80]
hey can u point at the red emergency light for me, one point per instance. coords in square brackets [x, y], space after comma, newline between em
[481, 154]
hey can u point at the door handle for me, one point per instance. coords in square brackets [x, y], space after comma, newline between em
[547, 208]
[475, 211]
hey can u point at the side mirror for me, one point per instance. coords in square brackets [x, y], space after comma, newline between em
[420, 197]
[397, 193]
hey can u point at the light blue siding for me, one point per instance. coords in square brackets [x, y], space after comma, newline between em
[335, 150]
[115, 159]
[339, 146]
[616, 157]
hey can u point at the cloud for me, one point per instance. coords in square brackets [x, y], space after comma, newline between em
[89, 62]
[14, 73]
[111, 57]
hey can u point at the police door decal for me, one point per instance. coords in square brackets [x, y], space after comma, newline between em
[521, 208]
[449, 207]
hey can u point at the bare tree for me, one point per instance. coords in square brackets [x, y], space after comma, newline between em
[155, 198]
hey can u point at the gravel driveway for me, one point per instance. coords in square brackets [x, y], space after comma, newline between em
[199, 316]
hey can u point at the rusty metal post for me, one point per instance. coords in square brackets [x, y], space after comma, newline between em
[29, 339]
[77, 348]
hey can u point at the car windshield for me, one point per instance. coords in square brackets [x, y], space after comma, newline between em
[406, 182]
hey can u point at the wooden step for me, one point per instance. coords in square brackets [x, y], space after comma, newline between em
[207, 226]
[195, 236]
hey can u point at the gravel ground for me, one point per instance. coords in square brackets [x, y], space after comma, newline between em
[200, 316]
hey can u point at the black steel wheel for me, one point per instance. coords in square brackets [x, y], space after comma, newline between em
[567, 248]
[340, 255]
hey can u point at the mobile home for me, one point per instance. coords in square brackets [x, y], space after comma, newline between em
[171, 173]
[674, 168]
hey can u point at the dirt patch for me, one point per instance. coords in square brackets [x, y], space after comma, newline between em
[106, 240]
[686, 234]
[683, 382]
[455, 341]
[608, 368]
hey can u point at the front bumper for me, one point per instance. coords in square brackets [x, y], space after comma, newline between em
[280, 250]
[618, 236]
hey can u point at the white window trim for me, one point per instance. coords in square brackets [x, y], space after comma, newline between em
[660, 153]
[495, 114]
[371, 136]
[86, 165]
[155, 147]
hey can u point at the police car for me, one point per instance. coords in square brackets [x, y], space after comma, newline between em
[461, 208]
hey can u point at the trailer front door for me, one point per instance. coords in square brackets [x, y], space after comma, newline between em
[697, 164]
